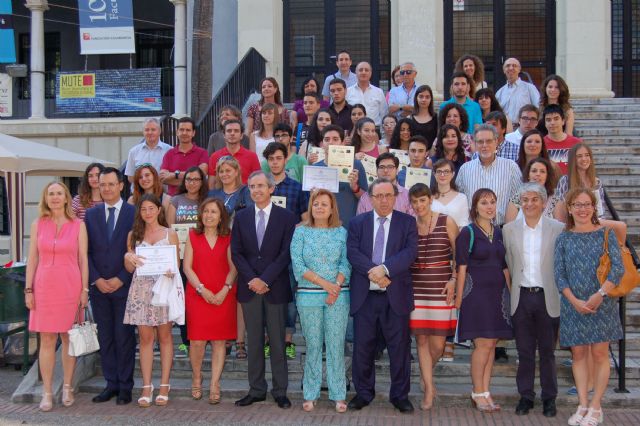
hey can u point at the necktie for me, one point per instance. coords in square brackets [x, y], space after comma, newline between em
[111, 221]
[260, 228]
[378, 243]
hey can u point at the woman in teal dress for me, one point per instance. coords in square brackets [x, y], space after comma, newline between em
[589, 319]
[321, 268]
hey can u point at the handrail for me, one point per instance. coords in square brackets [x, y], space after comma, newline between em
[243, 80]
[622, 346]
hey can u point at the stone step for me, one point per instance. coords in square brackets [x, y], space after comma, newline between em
[604, 109]
[623, 192]
[605, 123]
[584, 115]
[608, 132]
[606, 151]
[610, 140]
[609, 159]
[605, 101]
[448, 395]
[621, 169]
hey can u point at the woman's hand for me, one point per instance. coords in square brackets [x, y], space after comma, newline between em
[29, 301]
[594, 301]
[450, 290]
[169, 274]
[582, 308]
[330, 300]
[458, 301]
[359, 155]
[313, 158]
[134, 259]
[84, 299]
[208, 296]
[332, 289]
[219, 297]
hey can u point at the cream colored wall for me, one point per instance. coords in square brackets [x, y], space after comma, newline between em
[260, 26]
[583, 47]
[108, 139]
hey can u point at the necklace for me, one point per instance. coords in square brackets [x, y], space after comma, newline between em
[488, 234]
[429, 227]
[442, 194]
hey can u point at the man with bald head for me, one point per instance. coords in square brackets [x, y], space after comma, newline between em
[363, 92]
[401, 97]
[516, 93]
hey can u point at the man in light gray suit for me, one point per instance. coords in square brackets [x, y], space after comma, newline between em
[535, 302]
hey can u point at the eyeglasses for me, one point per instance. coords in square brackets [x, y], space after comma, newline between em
[528, 119]
[581, 206]
[192, 180]
[485, 142]
[442, 172]
[406, 72]
[384, 196]
[281, 136]
[391, 167]
[139, 166]
[258, 186]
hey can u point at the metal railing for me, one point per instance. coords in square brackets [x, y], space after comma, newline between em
[243, 81]
[621, 363]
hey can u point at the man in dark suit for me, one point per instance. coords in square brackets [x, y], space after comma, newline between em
[381, 246]
[260, 251]
[108, 225]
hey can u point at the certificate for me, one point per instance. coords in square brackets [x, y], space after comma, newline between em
[182, 229]
[369, 164]
[318, 177]
[416, 175]
[341, 157]
[157, 260]
[316, 150]
[279, 201]
[401, 155]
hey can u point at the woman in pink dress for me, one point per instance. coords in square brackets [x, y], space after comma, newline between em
[56, 284]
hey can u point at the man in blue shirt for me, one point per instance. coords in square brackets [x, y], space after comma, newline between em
[343, 61]
[460, 84]
[401, 98]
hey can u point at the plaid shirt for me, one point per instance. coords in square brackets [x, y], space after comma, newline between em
[297, 199]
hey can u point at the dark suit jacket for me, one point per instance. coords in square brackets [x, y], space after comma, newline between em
[401, 251]
[106, 259]
[270, 262]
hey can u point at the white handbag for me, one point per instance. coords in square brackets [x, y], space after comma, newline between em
[83, 337]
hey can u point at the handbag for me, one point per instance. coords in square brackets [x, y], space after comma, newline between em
[630, 279]
[83, 337]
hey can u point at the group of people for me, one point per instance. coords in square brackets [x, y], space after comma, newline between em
[477, 253]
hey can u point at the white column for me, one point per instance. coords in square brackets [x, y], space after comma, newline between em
[583, 49]
[180, 58]
[418, 36]
[37, 8]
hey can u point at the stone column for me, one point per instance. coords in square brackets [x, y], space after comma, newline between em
[180, 58]
[417, 31]
[583, 49]
[37, 8]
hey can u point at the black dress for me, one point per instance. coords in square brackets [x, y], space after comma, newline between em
[429, 129]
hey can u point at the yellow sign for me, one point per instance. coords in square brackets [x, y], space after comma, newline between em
[77, 86]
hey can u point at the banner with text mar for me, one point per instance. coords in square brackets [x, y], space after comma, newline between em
[106, 27]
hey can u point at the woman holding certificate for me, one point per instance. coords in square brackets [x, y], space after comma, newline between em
[211, 293]
[150, 230]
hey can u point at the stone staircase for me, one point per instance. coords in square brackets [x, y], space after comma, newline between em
[612, 128]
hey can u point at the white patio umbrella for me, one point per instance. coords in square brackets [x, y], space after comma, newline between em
[19, 158]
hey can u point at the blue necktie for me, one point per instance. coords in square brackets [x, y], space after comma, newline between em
[378, 243]
[261, 227]
[111, 221]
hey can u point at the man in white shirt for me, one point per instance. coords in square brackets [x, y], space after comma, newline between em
[528, 117]
[343, 61]
[516, 93]
[150, 150]
[370, 96]
[535, 302]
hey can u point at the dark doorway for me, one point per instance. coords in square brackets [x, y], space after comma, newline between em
[625, 48]
[314, 31]
[495, 30]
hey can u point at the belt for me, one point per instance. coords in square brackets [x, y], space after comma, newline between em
[430, 265]
[378, 291]
[532, 289]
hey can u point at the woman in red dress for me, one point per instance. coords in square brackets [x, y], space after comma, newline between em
[211, 293]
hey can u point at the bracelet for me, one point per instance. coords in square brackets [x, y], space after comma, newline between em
[85, 289]
[229, 286]
[28, 290]
[199, 288]
[602, 292]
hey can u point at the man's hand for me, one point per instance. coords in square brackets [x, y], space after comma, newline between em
[384, 282]
[104, 286]
[115, 283]
[377, 273]
[258, 286]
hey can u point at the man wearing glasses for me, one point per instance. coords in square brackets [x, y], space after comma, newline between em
[527, 120]
[387, 165]
[401, 97]
[294, 166]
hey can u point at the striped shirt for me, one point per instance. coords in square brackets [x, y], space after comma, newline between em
[502, 176]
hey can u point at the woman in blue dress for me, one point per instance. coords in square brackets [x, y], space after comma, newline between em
[321, 268]
[589, 319]
[482, 294]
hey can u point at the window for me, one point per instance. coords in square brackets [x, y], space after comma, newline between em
[4, 209]
[52, 60]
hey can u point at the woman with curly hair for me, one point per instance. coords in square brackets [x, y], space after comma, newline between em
[402, 134]
[455, 114]
[451, 148]
[89, 190]
[147, 181]
[473, 67]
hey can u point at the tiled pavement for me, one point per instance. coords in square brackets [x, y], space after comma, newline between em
[185, 411]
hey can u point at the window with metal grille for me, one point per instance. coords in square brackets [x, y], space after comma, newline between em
[625, 47]
[4, 209]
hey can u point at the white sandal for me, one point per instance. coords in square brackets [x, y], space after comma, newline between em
[162, 400]
[145, 401]
[593, 418]
[67, 396]
[577, 417]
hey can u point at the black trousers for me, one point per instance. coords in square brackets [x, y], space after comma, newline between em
[535, 330]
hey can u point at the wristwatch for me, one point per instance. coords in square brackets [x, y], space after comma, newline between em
[199, 288]
[229, 286]
[177, 174]
[602, 292]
